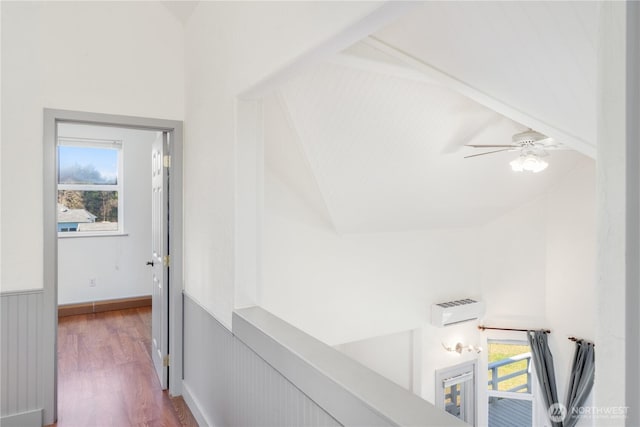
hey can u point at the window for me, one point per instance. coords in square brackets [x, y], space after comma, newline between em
[456, 391]
[89, 186]
[510, 384]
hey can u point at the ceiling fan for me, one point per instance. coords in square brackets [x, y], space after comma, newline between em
[532, 146]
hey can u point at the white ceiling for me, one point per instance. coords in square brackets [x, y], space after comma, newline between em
[381, 127]
[537, 58]
[387, 152]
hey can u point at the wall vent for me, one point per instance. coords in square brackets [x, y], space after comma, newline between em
[451, 312]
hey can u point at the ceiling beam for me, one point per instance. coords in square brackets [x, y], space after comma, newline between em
[358, 62]
[572, 141]
[380, 17]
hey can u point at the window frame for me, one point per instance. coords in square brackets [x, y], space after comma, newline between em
[113, 144]
[470, 401]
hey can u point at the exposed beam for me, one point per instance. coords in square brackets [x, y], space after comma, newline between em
[357, 62]
[381, 16]
[433, 73]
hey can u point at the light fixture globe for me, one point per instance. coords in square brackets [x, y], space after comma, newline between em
[529, 162]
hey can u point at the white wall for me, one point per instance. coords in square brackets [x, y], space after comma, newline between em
[117, 263]
[229, 47]
[539, 269]
[389, 355]
[571, 298]
[342, 288]
[108, 57]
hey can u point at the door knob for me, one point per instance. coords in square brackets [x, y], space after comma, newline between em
[150, 263]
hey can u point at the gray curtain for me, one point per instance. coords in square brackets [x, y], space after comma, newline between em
[580, 381]
[543, 361]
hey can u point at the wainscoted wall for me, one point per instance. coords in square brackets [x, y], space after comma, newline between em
[269, 373]
[20, 354]
[227, 384]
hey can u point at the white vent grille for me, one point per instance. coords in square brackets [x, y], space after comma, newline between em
[456, 303]
[462, 310]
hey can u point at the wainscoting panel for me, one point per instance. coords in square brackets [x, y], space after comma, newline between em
[21, 392]
[226, 384]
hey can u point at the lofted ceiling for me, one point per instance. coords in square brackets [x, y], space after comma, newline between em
[387, 152]
[381, 128]
[534, 60]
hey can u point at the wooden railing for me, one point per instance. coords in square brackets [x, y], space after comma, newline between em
[494, 382]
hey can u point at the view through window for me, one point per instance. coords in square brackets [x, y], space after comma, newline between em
[510, 384]
[89, 186]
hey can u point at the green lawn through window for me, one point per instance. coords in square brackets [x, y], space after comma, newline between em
[500, 351]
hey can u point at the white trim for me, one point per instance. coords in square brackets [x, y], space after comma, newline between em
[356, 62]
[617, 215]
[194, 406]
[24, 419]
[632, 294]
[72, 141]
[511, 395]
[89, 187]
[82, 234]
[21, 292]
[249, 190]
[206, 310]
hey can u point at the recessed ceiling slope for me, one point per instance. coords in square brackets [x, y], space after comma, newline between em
[537, 58]
[387, 153]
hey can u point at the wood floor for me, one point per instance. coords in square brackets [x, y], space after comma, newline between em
[106, 376]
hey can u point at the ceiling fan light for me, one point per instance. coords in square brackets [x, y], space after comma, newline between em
[540, 166]
[517, 165]
[534, 164]
[529, 162]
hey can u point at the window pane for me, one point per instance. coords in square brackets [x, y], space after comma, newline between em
[509, 412]
[87, 211]
[509, 367]
[87, 165]
[452, 400]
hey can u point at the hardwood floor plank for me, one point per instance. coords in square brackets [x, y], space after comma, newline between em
[106, 375]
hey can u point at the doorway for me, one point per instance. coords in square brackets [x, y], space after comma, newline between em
[109, 222]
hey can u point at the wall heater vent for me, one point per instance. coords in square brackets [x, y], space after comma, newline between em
[451, 312]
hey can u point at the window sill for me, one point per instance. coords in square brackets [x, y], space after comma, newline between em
[80, 234]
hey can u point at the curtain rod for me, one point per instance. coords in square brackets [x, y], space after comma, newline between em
[575, 339]
[482, 328]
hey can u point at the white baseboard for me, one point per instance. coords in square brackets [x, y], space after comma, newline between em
[23, 419]
[194, 406]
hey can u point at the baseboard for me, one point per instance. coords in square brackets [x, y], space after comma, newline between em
[105, 305]
[23, 419]
[194, 407]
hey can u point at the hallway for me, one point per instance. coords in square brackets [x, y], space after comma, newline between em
[105, 373]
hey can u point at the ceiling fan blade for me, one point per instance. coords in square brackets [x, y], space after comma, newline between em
[489, 152]
[492, 146]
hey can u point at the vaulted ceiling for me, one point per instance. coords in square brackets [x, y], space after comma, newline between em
[381, 128]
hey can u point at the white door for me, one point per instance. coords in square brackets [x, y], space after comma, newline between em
[160, 259]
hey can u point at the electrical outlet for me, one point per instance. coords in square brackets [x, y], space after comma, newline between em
[92, 283]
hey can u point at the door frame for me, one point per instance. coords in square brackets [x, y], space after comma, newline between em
[49, 351]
